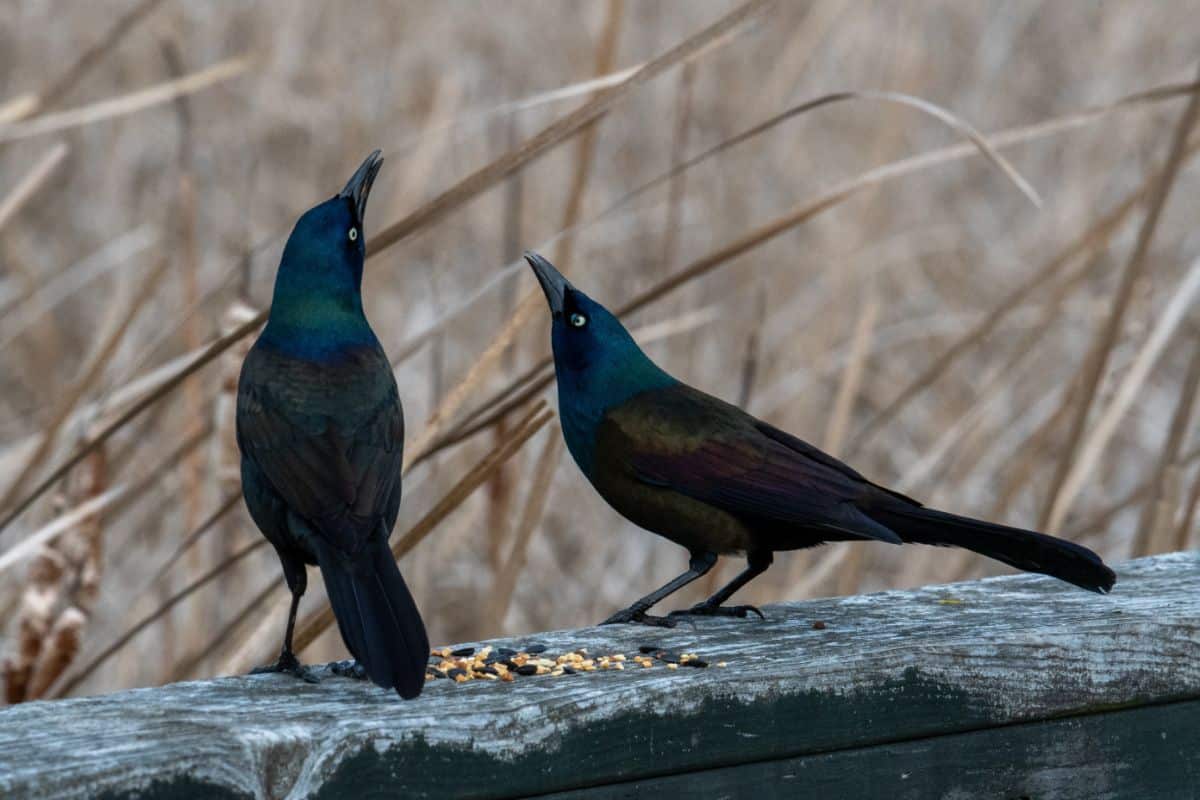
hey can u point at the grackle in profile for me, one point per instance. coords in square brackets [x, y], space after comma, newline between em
[708, 476]
[321, 432]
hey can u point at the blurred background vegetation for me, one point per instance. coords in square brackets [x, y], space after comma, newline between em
[858, 274]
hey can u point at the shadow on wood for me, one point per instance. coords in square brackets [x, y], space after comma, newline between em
[1007, 687]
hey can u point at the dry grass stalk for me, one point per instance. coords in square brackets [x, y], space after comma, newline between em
[1183, 534]
[187, 666]
[505, 582]
[606, 51]
[145, 622]
[97, 439]
[1092, 446]
[90, 373]
[1096, 361]
[1095, 524]
[839, 421]
[34, 180]
[223, 508]
[1091, 241]
[185, 221]
[131, 103]
[424, 445]
[906, 166]
[1157, 532]
[62, 586]
[843, 403]
[496, 407]
[677, 186]
[561, 130]
[53, 94]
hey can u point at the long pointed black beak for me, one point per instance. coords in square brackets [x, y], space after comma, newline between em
[553, 283]
[359, 185]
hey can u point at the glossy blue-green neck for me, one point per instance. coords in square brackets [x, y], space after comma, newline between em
[316, 311]
[599, 367]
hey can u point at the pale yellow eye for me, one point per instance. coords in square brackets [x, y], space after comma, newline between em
[354, 234]
[578, 320]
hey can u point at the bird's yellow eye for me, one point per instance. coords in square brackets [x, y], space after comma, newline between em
[578, 320]
[353, 234]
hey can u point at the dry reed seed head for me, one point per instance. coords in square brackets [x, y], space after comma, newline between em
[61, 647]
[46, 569]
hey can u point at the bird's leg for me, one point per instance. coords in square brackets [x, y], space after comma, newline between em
[288, 663]
[756, 564]
[698, 566]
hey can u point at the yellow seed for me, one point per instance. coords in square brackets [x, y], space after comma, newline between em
[461, 679]
[722, 664]
[619, 657]
[672, 666]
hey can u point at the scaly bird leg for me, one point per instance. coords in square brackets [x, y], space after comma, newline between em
[756, 564]
[698, 566]
[288, 663]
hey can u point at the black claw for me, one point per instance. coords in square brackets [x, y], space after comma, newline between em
[349, 669]
[636, 617]
[288, 665]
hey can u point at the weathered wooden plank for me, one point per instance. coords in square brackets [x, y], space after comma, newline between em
[886, 669]
[1148, 752]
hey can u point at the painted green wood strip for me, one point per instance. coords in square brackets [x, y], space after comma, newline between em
[1149, 752]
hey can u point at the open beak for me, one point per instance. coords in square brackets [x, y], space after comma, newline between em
[553, 283]
[359, 185]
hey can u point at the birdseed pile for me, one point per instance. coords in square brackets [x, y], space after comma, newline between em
[506, 664]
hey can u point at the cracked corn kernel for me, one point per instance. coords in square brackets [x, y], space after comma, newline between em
[672, 666]
[722, 664]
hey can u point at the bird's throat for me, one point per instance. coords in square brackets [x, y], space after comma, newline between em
[317, 327]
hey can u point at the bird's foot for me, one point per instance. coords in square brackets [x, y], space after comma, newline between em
[635, 616]
[349, 668]
[706, 610]
[289, 665]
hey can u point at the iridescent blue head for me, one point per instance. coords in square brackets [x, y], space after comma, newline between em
[317, 306]
[597, 362]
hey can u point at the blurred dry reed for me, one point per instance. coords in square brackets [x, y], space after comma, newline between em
[778, 198]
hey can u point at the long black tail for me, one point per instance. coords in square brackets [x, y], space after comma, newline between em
[378, 619]
[1026, 550]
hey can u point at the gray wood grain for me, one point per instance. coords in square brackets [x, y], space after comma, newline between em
[888, 668]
